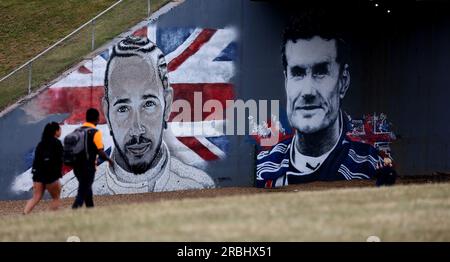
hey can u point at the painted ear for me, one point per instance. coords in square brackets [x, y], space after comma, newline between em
[168, 99]
[285, 78]
[344, 81]
[106, 111]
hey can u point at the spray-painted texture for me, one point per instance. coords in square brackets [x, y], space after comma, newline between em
[250, 93]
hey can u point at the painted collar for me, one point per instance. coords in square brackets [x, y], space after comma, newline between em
[306, 164]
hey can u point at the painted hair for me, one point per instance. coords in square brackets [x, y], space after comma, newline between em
[316, 23]
[143, 48]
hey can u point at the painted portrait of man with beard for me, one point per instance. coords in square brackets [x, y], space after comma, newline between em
[137, 105]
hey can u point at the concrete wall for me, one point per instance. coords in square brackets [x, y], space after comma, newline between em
[401, 71]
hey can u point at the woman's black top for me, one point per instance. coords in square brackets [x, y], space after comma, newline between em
[48, 160]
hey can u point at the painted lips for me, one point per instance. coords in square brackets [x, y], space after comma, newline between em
[308, 107]
[139, 149]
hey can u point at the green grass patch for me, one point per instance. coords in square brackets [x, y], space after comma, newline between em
[30, 26]
[400, 213]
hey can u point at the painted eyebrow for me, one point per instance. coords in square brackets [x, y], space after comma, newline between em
[122, 101]
[149, 96]
[321, 66]
[296, 70]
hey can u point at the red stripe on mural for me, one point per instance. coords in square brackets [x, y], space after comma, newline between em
[198, 148]
[215, 91]
[66, 169]
[76, 100]
[73, 101]
[84, 70]
[142, 32]
[201, 39]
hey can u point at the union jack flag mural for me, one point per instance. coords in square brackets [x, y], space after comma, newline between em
[375, 130]
[371, 129]
[200, 61]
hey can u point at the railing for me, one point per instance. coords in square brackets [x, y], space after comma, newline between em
[54, 60]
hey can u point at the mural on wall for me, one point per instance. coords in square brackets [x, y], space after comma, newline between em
[372, 129]
[333, 104]
[375, 130]
[153, 150]
[316, 65]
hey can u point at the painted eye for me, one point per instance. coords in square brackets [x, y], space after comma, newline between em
[149, 104]
[320, 70]
[319, 76]
[122, 109]
[298, 72]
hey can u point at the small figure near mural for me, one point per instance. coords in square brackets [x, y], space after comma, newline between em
[137, 105]
[317, 77]
[47, 168]
[386, 174]
[84, 164]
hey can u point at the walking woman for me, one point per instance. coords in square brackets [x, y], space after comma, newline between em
[47, 168]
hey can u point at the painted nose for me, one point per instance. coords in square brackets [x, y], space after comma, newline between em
[137, 128]
[308, 89]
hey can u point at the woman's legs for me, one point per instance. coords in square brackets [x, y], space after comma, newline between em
[38, 192]
[55, 192]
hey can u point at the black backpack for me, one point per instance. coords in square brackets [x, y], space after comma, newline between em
[76, 146]
[43, 162]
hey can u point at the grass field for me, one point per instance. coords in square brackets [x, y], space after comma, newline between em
[400, 213]
[30, 26]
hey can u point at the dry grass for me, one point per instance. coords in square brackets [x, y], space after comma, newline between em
[401, 213]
